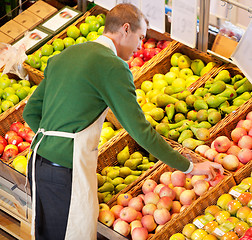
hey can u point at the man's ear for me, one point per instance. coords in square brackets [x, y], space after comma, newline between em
[126, 27]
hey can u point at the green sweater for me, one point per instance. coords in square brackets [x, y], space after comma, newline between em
[79, 84]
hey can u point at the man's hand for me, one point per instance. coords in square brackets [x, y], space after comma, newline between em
[210, 169]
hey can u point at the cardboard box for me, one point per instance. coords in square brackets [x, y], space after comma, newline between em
[33, 40]
[224, 46]
[61, 20]
[42, 9]
[13, 29]
[5, 39]
[28, 19]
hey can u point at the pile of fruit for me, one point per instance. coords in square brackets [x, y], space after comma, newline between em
[15, 141]
[13, 91]
[108, 131]
[149, 49]
[89, 30]
[115, 178]
[229, 219]
[231, 153]
[159, 201]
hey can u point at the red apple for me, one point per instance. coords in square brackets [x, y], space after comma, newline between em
[216, 180]
[151, 43]
[9, 134]
[245, 155]
[15, 140]
[137, 62]
[222, 144]
[139, 53]
[201, 149]
[149, 209]
[29, 136]
[9, 153]
[178, 179]
[149, 186]
[149, 53]
[234, 150]
[128, 214]
[116, 209]
[239, 124]
[219, 157]
[139, 233]
[249, 116]
[244, 198]
[167, 191]
[106, 217]
[1, 148]
[165, 178]
[129, 61]
[210, 154]
[176, 206]
[123, 199]
[187, 197]
[162, 44]
[3, 141]
[247, 124]
[151, 197]
[23, 132]
[245, 142]
[165, 202]
[16, 126]
[22, 146]
[237, 133]
[162, 216]
[158, 188]
[148, 222]
[250, 133]
[122, 227]
[178, 191]
[196, 178]
[200, 187]
[136, 203]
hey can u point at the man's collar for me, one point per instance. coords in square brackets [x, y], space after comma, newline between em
[107, 42]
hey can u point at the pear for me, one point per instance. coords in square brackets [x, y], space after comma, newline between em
[151, 120]
[224, 76]
[100, 197]
[152, 158]
[214, 117]
[201, 133]
[124, 172]
[182, 95]
[120, 187]
[192, 143]
[108, 197]
[230, 86]
[165, 120]
[197, 65]
[211, 110]
[118, 180]
[200, 104]
[207, 95]
[157, 113]
[106, 187]
[123, 155]
[209, 83]
[170, 111]
[236, 78]
[179, 117]
[245, 96]
[105, 170]
[148, 106]
[238, 102]
[184, 135]
[165, 99]
[245, 87]
[177, 125]
[186, 125]
[200, 92]
[113, 173]
[192, 115]
[173, 134]
[239, 83]
[169, 90]
[136, 155]
[190, 100]
[145, 166]
[108, 179]
[227, 110]
[133, 163]
[100, 179]
[215, 101]
[145, 160]
[228, 93]
[202, 115]
[203, 124]
[181, 107]
[224, 104]
[129, 179]
[136, 173]
[207, 68]
[152, 93]
[217, 87]
[163, 129]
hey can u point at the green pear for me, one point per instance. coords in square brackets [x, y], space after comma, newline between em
[151, 120]
[100, 197]
[170, 111]
[190, 100]
[105, 170]
[209, 83]
[215, 101]
[152, 158]
[157, 113]
[207, 95]
[214, 117]
[245, 96]
[165, 99]
[192, 143]
[207, 68]
[230, 86]
[178, 124]
[123, 155]
[224, 76]
[239, 83]
[185, 126]
[169, 90]
[228, 93]
[182, 95]
[124, 172]
[227, 110]
[238, 102]
[200, 104]
[202, 115]
[197, 65]
[192, 115]
[136, 173]
[144, 167]
[211, 110]
[224, 104]
[108, 197]
[165, 120]
[184, 135]
[201, 133]
[106, 187]
[163, 129]
[245, 87]
[100, 179]
[181, 107]
[113, 173]
[136, 154]
[173, 134]
[118, 180]
[133, 163]
[145, 160]
[217, 87]
[236, 78]
[203, 124]
[130, 179]
[120, 187]
[179, 117]
[200, 92]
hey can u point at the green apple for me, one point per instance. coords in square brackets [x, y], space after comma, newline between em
[179, 84]
[170, 77]
[43, 66]
[1, 93]
[47, 50]
[58, 44]
[94, 25]
[32, 89]
[197, 65]
[84, 29]
[73, 32]
[3, 75]
[44, 59]
[38, 53]
[55, 53]
[100, 30]
[92, 36]
[190, 80]
[6, 104]
[13, 81]
[146, 86]
[80, 40]
[174, 59]
[13, 98]
[100, 19]
[26, 88]
[89, 19]
[68, 41]
[8, 91]
[16, 86]
[175, 70]
[21, 93]
[185, 73]
[25, 83]
[184, 61]
[35, 61]
[159, 84]
[4, 82]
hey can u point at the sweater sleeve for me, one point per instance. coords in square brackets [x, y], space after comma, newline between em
[119, 94]
[33, 110]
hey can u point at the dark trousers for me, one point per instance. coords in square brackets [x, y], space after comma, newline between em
[53, 194]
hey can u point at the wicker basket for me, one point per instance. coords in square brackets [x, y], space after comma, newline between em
[197, 208]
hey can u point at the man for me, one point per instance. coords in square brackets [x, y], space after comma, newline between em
[67, 111]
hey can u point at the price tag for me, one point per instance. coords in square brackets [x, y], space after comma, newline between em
[198, 223]
[155, 13]
[184, 22]
[234, 193]
[105, 3]
[137, 3]
[242, 56]
[218, 232]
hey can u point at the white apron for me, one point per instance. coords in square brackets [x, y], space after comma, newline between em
[84, 205]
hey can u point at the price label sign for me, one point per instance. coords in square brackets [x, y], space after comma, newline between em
[184, 22]
[242, 56]
[105, 3]
[155, 13]
[137, 3]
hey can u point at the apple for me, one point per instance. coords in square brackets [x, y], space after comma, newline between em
[222, 216]
[210, 154]
[148, 54]
[128, 214]
[174, 59]
[22, 132]
[3, 141]
[9, 153]
[165, 178]
[237, 133]
[139, 216]
[200, 187]
[178, 179]
[245, 142]
[135, 224]
[201, 149]
[197, 65]
[162, 216]
[15, 140]
[243, 213]
[137, 62]
[122, 227]
[245, 155]
[139, 233]
[212, 209]
[136, 203]
[198, 234]
[149, 186]
[176, 206]
[9, 134]
[103, 206]
[106, 217]
[16, 126]
[188, 184]
[68, 41]
[250, 133]
[178, 191]
[150, 43]
[240, 228]
[233, 206]
[234, 150]
[244, 198]
[149, 209]
[185, 73]
[158, 188]
[196, 178]
[123, 199]
[148, 222]
[249, 116]
[247, 124]
[230, 235]
[222, 144]
[22, 146]
[218, 178]
[162, 44]
[1, 148]
[151, 197]
[230, 162]
[239, 124]
[187, 197]
[167, 191]
[184, 62]
[116, 209]
[219, 157]
[223, 200]
[188, 229]
[164, 202]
